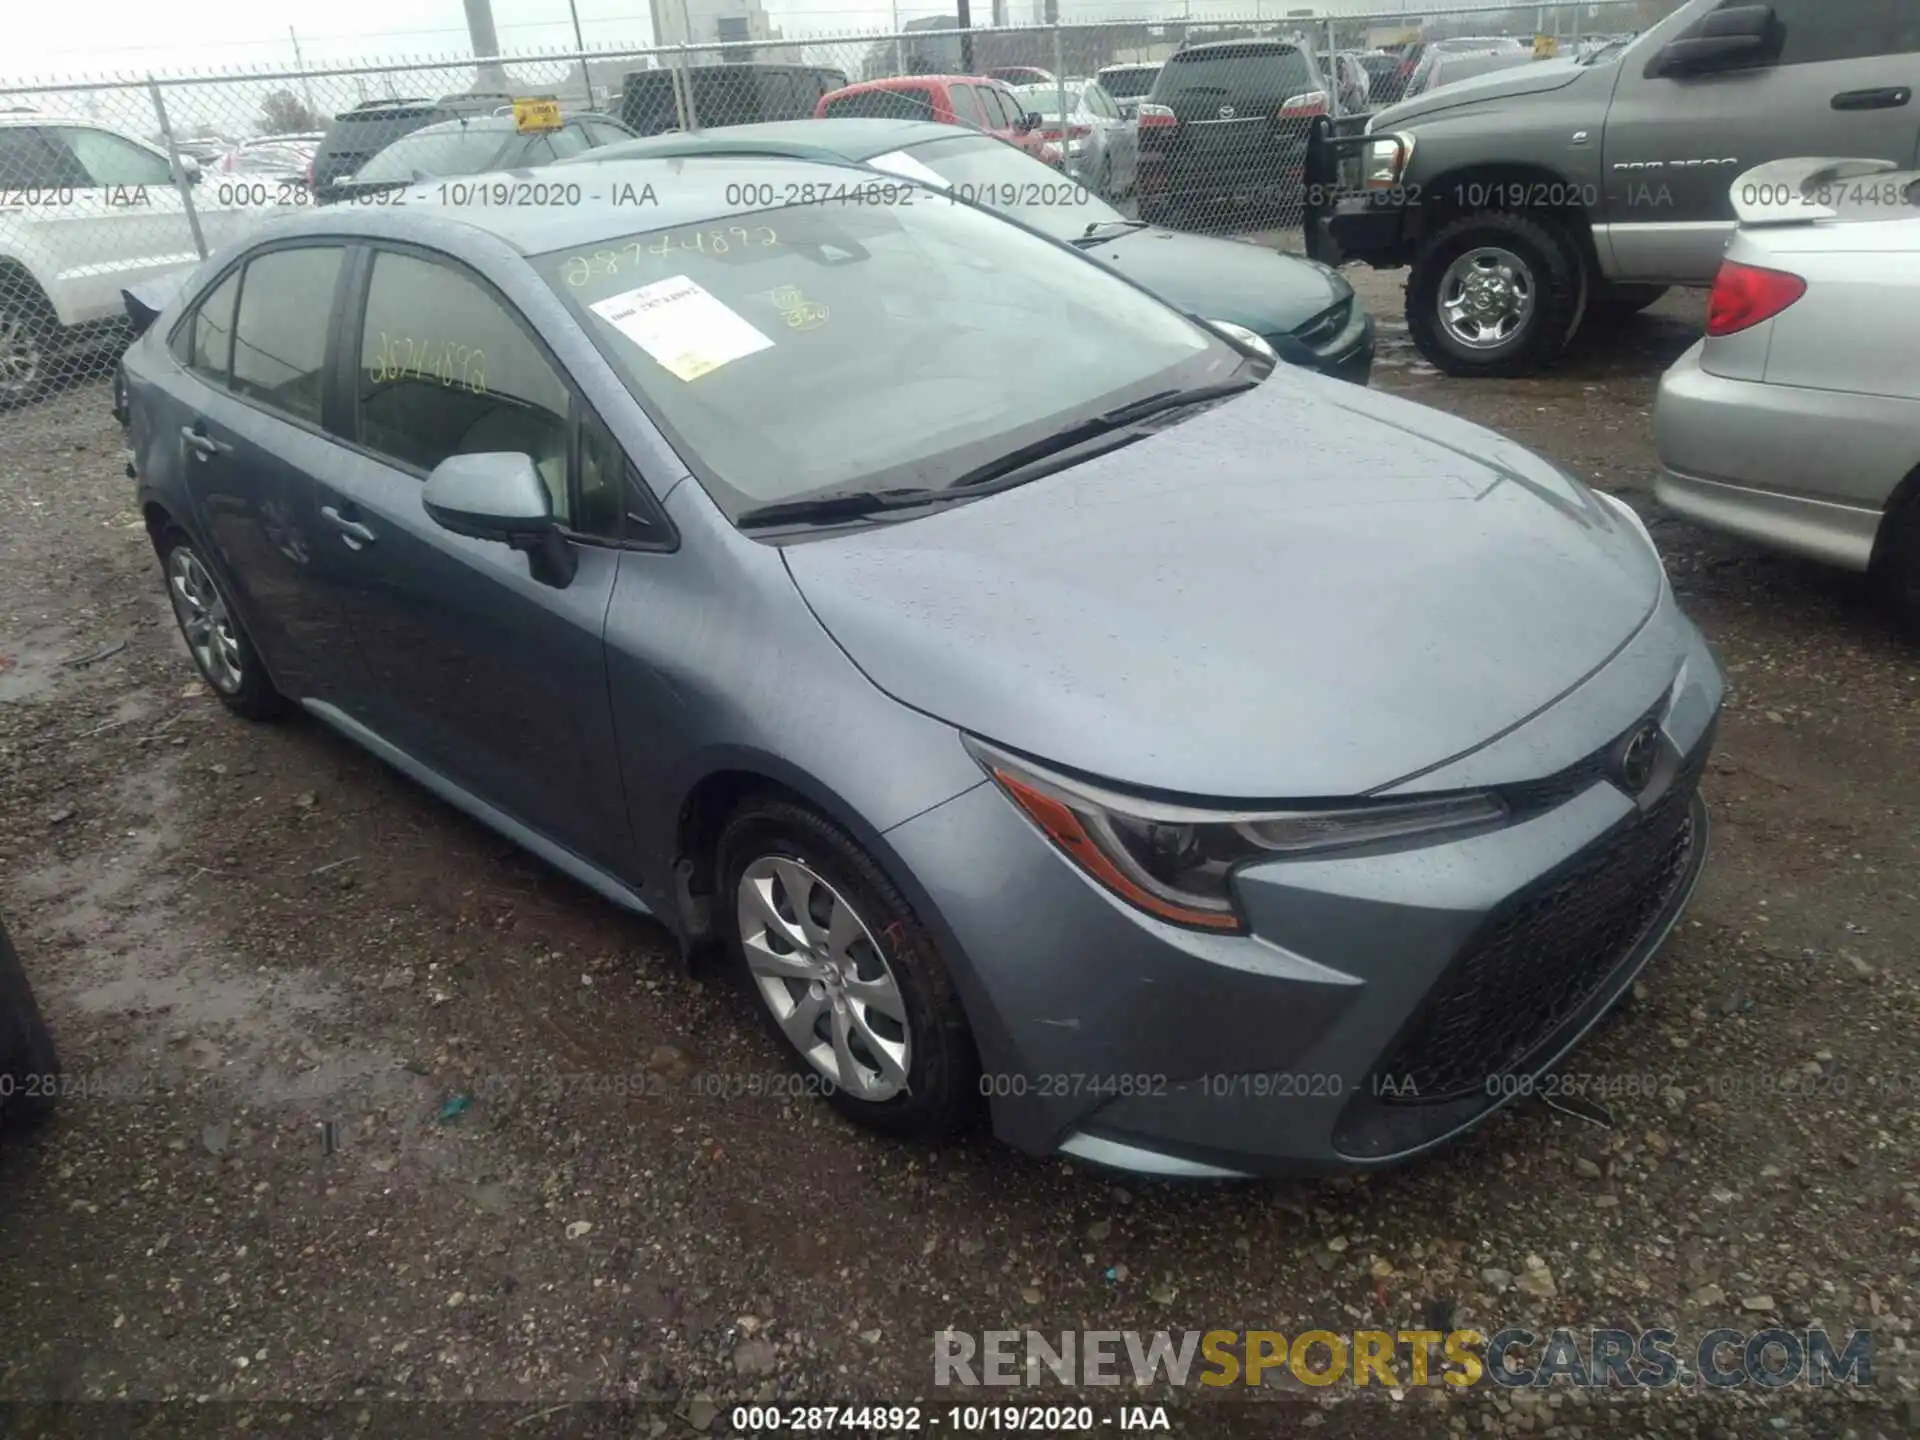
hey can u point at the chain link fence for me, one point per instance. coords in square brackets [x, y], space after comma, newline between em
[1194, 121]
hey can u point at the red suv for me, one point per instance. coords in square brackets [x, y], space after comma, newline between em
[970, 100]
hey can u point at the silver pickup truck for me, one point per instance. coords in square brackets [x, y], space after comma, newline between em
[1534, 199]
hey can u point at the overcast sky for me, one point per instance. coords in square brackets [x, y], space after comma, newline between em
[51, 40]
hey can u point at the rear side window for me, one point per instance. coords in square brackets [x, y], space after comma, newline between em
[280, 333]
[204, 344]
[446, 369]
[1251, 78]
[881, 105]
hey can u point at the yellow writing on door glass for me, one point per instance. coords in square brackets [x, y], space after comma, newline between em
[404, 357]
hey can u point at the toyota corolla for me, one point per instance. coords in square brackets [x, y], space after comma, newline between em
[1047, 704]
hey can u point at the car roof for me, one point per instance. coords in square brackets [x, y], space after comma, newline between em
[914, 82]
[853, 140]
[682, 194]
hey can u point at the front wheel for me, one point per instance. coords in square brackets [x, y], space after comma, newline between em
[845, 976]
[29, 1065]
[28, 336]
[1494, 294]
[1896, 561]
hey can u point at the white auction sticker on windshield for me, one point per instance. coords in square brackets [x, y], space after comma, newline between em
[681, 325]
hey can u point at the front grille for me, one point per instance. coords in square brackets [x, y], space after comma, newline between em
[1538, 963]
[1325, 326]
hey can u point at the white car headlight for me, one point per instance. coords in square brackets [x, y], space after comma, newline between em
[1177, 862]
[1246, 339]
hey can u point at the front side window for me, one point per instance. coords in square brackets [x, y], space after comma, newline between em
[205, 343]
[446, 369]
[808, 349]
[280, 333]
[113, 159]
[966, 108]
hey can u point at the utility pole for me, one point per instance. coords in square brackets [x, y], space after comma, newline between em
[306, 85]
[586, 77]
[489, 74]
[966, 37]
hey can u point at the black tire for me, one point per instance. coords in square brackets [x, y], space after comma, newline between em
[248, 692]
[29, 339]
[29, 1065]
[1614, 303]
[1896, 561]
[1551, 268]
[941, 1094]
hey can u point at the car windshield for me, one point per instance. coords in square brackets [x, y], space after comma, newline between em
[993, 173]
[811, 349]
[457, 150]
[1127, 84]
[1257, 78]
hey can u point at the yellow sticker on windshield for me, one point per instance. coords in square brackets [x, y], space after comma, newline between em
[797, 310]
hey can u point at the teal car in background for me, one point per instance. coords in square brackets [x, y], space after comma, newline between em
[1304, 310]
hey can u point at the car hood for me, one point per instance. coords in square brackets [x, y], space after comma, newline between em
[1307, 591]
[1217, 279]
[1534, 78]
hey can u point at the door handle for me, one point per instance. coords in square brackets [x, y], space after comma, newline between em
[352, 533]
[201, 443]
[1887, 97]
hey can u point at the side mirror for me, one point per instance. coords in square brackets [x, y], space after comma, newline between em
[1029, 121]
[1731, 39]
[190, 169]
[500, 496]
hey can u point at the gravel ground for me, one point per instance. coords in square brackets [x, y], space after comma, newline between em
[333, 1147]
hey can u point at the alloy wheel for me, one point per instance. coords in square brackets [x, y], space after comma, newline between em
[819, 970]
[204, 620]
[23, 354]
[1486, 298]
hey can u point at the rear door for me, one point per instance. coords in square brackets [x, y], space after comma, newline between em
[496, 681]
[250, 428]
[1843, 86]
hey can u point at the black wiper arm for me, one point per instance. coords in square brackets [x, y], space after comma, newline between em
[1092, 234]
[1120, 418]
[824, 509]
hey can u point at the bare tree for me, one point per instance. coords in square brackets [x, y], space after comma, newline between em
[285, 113]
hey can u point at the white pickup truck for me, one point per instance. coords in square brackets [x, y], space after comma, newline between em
[85, 211]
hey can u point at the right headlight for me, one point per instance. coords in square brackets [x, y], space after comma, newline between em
[1384, 161]
[1177, 861]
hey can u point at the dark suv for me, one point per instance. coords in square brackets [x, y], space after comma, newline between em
[1229, 122]
[355, 136]
[744, 94]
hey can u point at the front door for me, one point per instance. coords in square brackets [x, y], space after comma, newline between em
[477, 670]
[1843, 86]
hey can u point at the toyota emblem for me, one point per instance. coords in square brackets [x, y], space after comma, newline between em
[1226, 112]
[1638, 757]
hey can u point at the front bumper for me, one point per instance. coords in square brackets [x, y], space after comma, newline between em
[1346, 355]
[1805, 471]
[1109, 1035]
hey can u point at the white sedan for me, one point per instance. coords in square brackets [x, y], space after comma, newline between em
[1796, 422]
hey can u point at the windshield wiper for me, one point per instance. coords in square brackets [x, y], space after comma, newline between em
[1092, 236]
[843, 505]
[1029, 462]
